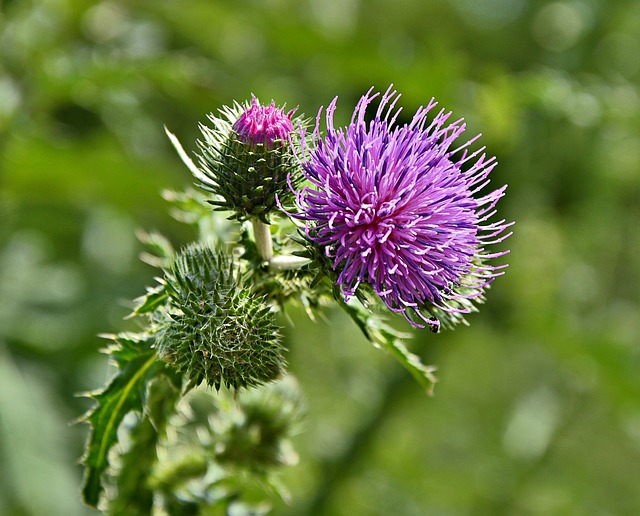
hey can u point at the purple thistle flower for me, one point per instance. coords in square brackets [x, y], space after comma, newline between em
[397, 208]
[264, 124]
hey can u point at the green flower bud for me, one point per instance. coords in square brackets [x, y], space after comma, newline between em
[216, 330]
[229, 445]
[247, 159]
[256, 434]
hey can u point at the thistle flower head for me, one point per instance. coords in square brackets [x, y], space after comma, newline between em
[398, 207]
[266, 125]
[246, 157]
[215, 330]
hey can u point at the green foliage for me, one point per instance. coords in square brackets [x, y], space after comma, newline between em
[301, 285]
[386, 337]
[133, 494]
[155, 298]
[127, 391]
[257, 436]
[224, 449]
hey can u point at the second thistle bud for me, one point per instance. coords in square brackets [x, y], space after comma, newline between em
[247, 159]
[215, 330]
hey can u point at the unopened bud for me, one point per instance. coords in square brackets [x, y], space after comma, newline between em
[264, 125]
[216, 330]
[248, 159]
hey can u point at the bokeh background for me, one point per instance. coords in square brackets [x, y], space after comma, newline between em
[537, 411]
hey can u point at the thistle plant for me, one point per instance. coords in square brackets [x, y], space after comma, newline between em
[375, 218]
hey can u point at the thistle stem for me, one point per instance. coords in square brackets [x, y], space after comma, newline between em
[262, 236]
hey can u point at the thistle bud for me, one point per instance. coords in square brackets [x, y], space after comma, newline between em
[215, 330]
[230, 444]
[247, 158]
[257, 433]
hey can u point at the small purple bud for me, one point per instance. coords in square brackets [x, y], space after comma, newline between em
[266, 125]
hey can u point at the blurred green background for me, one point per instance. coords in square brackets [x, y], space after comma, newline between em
[538, 407]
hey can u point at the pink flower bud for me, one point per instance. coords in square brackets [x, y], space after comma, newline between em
[266, 125]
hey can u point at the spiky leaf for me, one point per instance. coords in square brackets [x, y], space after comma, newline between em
[134, 494]
[154, 298]
[125, 392]
[386, 337]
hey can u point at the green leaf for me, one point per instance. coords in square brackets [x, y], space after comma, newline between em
[126, 392]
[154, 298]
[126, 346]
[386, 337]
[159, 247]
[134, 495]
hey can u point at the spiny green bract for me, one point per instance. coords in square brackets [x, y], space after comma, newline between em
[246, 177]
[215, 330]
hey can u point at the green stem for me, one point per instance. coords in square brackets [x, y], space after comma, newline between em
[262, 236]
